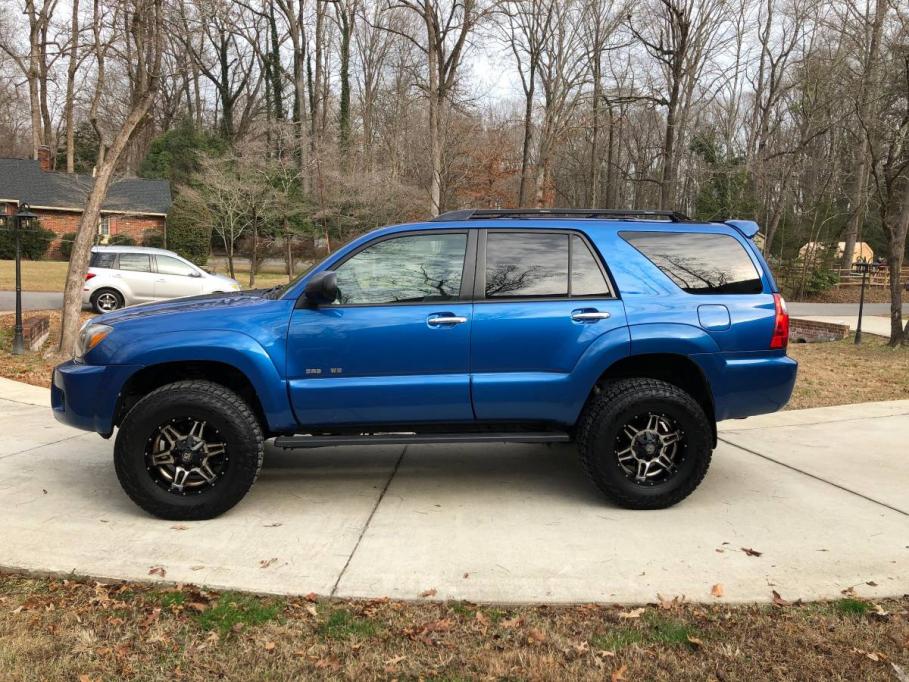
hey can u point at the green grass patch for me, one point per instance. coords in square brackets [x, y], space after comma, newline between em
[654, 629]
[234, 608]
[167, 599]
[342, 624]
[850, 606]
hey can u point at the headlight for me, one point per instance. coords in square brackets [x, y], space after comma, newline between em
[90, 336]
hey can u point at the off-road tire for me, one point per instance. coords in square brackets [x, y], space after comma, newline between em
[221, 407]
[97, 294]
[608, 410]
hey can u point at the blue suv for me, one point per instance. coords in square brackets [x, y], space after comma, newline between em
[630, 333]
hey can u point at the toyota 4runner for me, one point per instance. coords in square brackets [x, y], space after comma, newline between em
[629, 333]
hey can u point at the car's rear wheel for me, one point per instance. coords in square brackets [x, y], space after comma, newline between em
[106, 300]
[189, 450]
[645, 443]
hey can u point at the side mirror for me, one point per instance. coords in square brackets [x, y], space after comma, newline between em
[195, 274]
[322, 288]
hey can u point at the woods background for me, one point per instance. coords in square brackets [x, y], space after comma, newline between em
[321, 119]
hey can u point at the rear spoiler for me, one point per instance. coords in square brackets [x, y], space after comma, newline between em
[749, 228]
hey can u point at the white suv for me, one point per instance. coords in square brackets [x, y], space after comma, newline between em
[123, 275]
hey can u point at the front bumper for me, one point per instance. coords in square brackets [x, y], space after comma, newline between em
[85, 396]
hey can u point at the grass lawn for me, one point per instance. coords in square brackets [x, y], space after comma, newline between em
[47, 275]
[839, 372]
[84, 630]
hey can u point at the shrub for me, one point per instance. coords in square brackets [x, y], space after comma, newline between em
[120, 240]
[33, 243]
[189, 229]
[819, 280]
[153, 238]
[66, 245]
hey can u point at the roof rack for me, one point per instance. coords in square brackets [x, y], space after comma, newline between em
[530, 213]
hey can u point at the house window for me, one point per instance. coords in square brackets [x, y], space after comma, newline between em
[104, 227]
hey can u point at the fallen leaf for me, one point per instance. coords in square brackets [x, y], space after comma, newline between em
[634, 613]
[536, 636]
[265, 563]
[270, 646]
[481, 619]
[157, 570]
[849, 592]
[431, 592]
[900, 673]
[18, 609]
[879, 612]
[510, 623]
[179, 527]
[778, 600]
[871, 583]
[466, 575]
[44, 491]
[271, 525]
[670, 603]
[312, 610]
[751, 552]
[85, 678]
[197, 606]
[717, 590]
[695, 642]
[392, 662]
[196, 568]
[618, 675]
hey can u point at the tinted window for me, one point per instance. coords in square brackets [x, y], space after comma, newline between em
[586, 277]
[103, 259]
[404, 270]
[522, 264]
[167, 265]
[699, 263]
[137, 262]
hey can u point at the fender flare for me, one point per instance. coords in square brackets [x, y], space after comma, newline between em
[229, 347]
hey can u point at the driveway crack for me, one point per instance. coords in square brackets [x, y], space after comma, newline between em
[372, 513]
[817, 478]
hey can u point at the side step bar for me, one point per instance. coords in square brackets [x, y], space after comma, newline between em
[295, 442]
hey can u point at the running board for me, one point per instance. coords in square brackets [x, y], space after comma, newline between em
[294, 442]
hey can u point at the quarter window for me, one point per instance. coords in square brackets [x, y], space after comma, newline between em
[103, 259]
[167, 265]
[136, 262]
[586, 277]
[699, 263]
[410, 269]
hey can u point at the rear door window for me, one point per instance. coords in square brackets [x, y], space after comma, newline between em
[135, 262]
[699, 263]
[520, 264]
[541, 265]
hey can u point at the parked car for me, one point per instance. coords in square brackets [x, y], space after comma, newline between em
[119, 276]
[630, 333]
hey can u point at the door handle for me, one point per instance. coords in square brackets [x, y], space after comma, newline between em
[589, 315]
[447, 321]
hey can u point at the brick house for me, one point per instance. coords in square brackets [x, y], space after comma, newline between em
[133, 205]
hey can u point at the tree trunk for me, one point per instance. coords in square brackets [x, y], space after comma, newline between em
[897, 247]
[70, 90]
[78, 262]
[346, 19]
[528, 136]
[859, 199]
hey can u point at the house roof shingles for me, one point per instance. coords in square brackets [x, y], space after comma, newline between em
[23, 180]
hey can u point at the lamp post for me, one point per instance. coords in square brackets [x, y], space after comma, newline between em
[862, 266]
[22, 219]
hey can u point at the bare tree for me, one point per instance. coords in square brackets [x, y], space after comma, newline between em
[143, 35]
[447, 26]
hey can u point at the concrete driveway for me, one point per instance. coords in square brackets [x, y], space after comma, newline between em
[821, 494]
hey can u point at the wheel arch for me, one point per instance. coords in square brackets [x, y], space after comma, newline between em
[673, 368]
[151, 377]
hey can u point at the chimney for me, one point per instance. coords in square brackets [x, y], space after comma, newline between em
[44, 159]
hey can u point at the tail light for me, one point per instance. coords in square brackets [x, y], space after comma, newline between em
[89, 275]
[780, 338]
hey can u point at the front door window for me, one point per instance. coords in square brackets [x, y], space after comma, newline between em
[411, 269]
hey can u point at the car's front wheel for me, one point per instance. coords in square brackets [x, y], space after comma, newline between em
[645, 443]
[188, 451]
